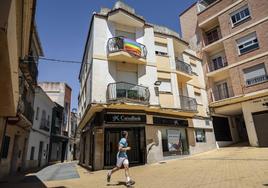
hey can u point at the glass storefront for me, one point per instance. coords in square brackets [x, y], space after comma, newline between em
[174, 141]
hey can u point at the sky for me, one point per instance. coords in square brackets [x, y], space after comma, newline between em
[63, 27]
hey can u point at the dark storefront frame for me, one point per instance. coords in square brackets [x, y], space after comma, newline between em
[118, 129]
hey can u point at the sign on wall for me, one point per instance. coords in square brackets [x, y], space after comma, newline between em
[174, 140]
[169, 121]
[125, 118]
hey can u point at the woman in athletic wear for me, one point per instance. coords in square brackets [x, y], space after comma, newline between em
[122, 159]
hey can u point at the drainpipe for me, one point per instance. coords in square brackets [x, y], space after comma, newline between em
[3, 140]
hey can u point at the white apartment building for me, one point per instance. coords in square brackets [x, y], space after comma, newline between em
[60, 93]
[38, 145]
[142, 78]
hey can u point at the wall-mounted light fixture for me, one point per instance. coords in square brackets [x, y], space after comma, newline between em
[157, 83]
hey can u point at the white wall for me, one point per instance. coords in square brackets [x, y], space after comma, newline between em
[104, 72]
[36, 134]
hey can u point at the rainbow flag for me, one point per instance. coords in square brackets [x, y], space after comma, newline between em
[132, 47]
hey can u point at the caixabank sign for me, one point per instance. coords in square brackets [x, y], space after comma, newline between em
[125, 118]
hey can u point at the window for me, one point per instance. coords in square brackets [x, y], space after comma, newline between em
[174, 142]
[240, 15]
[247, 43]
[161, 49]
[198, 97]
[37, 113]
[213, 35]
[221, 91]
[32, 153]
[194, 69]
[165, 86]
[126, 34]
[200, 135]
[217, 63]
[255, 74]
[48, 120]
[5, 147]
[207, 123]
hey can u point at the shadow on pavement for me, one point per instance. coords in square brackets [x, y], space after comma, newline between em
[266, 184]
[26, 182]
[117, 184]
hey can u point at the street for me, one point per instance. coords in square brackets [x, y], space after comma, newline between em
[231, 167]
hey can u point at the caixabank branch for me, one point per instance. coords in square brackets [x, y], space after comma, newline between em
[153, 137]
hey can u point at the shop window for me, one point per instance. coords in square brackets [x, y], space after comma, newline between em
[5, 147]
[174, 142]
[200, 135]
[32, 153]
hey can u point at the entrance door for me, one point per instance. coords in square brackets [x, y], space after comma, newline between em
[260, 121]
[40, 153]
[15, 155]
[241, 128]
[136, 141]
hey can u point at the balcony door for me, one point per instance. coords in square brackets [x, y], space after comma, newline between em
[126, 34]
[129, 77]
[128, 88]
[222, 91]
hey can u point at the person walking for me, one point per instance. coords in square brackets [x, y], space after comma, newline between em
[122, 159]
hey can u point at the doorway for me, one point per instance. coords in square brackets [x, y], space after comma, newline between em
[15, 155]
[261, 127]
[136, 140]
[40, 152]
[241, 128]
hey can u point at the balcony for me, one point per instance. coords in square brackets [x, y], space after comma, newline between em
[29, 69]
[217, 63]
[212, 35]
[122, 49]
[26, 109]
[127, 93]
[221, 92]
[184, 71]
[257, 80]
[188, 103]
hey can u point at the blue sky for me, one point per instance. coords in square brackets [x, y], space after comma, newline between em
[63, 27]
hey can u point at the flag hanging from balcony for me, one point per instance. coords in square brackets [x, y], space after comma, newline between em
[132, 47]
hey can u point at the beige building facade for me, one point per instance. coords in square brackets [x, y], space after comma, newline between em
[230, 37]
[19, 51]
[142, 78]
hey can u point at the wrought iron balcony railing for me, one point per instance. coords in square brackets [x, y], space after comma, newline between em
[134, 48]
[29, 68]
[126, 92]
[183, 67]
[256, 80]
[188, 103]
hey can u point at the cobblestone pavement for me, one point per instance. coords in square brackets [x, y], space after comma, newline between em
[232, 167]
